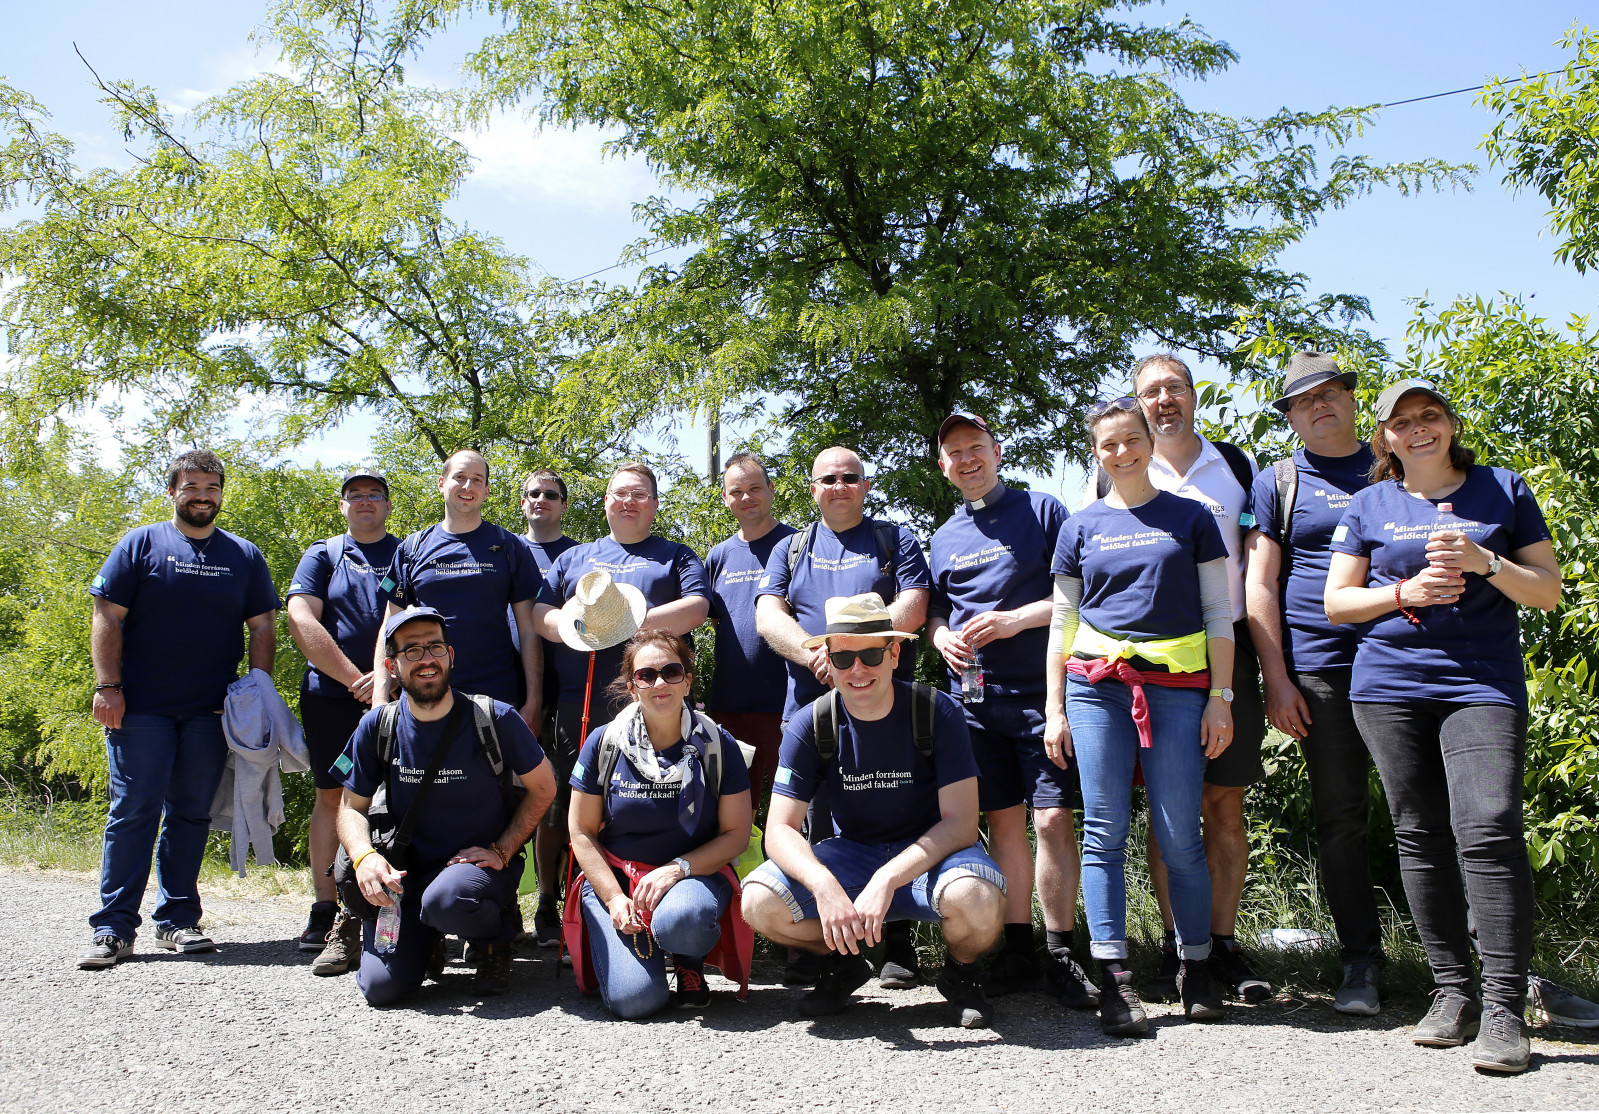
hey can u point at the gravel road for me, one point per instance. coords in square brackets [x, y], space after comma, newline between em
[249, 1028]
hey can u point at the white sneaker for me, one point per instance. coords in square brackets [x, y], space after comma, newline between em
[184, 939]
[1559, 1005]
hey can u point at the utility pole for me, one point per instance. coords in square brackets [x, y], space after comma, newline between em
[713, 444]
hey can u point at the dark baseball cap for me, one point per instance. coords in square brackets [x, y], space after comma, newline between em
[960, 418]
[1306, 371]
[410, 615]
[364, 474]
[1390, 397]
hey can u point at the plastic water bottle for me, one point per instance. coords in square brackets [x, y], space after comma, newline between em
[387, 936]
[972, 681]
[1447, 520]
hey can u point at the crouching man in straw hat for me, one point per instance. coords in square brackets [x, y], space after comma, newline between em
[897, 762]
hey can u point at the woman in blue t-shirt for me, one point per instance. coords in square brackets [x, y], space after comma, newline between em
[1430, 563]
[1142, 628]
[654, 832]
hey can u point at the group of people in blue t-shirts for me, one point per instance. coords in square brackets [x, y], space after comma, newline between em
[495, 689]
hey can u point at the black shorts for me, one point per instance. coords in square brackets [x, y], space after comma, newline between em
[329, 721]
[1240, 765]
[558, 735]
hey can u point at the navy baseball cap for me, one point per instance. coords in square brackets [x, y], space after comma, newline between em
[364, 474]
[960, 418]
[410, 615]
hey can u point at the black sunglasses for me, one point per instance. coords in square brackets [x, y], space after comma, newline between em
[837, 478]
[843, 659]
[549, 493]
[671, 674]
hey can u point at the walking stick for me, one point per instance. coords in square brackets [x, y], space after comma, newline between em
[588, 695]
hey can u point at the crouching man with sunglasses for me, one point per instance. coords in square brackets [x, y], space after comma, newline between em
[897, 763]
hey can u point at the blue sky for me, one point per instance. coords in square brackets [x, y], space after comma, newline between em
[555, 199]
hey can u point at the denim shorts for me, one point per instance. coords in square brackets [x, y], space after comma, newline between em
[853, 864]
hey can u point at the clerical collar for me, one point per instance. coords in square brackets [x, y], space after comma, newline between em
[995, 494]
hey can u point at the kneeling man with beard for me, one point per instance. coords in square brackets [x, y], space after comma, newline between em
[464, 862]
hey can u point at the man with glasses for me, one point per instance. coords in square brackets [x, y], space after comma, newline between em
[464, 862]
[543, 504]
[844, 554]
[898, 765]
[335, 606]
[171, 605]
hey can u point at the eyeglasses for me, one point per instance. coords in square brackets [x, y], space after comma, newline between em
[843, 659]
[1175, 390]
[636, 494]
[1328, 394]
[428, 649]
[365, 497]
[1098, 410]
[849, 478]
[547, 493]
[671, 674]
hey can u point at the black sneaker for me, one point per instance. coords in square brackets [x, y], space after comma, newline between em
[342, 950]
[437, 958]
[318, 925]
[493, 969]
[106, 951]
[1451, 1020]
[691, 992]
[1229, 967]
[1068, 982]
[842, 977]
[1011, 972]
[961, 984]
[184, 939]
[900, 970]
[1121, 1014]
[1163, 987]
[546, 923]
[1502, 1043]
[803, 968]
[1201, 1000]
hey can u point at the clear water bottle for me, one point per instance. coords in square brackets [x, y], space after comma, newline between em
[387, 937]
[972, 681]
[1447, 520]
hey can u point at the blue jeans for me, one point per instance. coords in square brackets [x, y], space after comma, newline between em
[163, 771]
[1106, 742]
[632, 968]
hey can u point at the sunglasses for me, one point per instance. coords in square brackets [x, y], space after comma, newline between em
[843, 659]
[832, 478]
[547, 493]
[671, 674]
[1098, 410]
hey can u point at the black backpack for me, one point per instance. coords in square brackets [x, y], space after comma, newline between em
[824, 721]
[488, 740]
[1287, 475]
[1237, 460]
[885, 533]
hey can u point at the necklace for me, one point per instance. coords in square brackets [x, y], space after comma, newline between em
[199, 550]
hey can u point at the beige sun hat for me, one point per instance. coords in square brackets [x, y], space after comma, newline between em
[601, 613]
[865, 614]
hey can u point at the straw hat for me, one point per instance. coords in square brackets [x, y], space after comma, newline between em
[601, 613]
[865, 614]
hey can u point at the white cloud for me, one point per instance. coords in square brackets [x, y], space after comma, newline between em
[527, 164]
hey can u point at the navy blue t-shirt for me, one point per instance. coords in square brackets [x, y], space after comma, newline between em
[880, 788]
[1140, 567]
[187, 601]
[464, 808]
[844, 564]
[749, 676]
[663, 570]
[470, 579]
[1326, 486]
[1467, 652]
[353, 599]
[544, 555]
[640, 817]
[998, 558]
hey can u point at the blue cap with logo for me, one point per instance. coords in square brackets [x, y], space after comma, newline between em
[410, 615]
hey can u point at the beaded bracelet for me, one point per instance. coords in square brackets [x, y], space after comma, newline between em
[1403, 610]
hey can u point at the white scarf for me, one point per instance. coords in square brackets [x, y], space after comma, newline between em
[636, 746]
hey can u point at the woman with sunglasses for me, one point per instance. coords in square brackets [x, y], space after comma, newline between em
[1139, 670]
[654, 839]
[1430, 564]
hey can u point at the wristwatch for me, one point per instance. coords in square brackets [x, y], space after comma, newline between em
[682, 865]
[1225, 694]
[1495, 563]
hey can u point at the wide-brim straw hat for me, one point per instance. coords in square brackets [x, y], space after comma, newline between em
[601, 613]
[865, 614]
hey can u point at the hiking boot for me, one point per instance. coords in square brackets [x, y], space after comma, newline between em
[185, 939]
[1197, 991]
[1357, 994]
[900, 970]
[961, 984]
[437, 959]
[318, 925]
[803, 968]
[493, 969]
[342, 949]
[546, 923]
[1068, 982]
[1229, 967]
[1451, 1021]
[1559, 1005]
[841, 978]
[691, 992]
[106, 951]
[1163, 987]
[1011, 972]
[1121, 1014]
[1501, 1043]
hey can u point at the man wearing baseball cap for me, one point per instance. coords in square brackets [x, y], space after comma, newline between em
[897, 763]
[335, 607]
[989, 618]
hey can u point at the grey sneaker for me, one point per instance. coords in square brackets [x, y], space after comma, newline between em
[184, 938]
[106, 951]
[1358, 993]
[1560, 1006]
[1502, 1043]
[1451, 1021]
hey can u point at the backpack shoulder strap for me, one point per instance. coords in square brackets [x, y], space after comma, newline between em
[713, 752]
[334, 547]
[924, 703]
[1101, 482]
[887, 535]
[488, 736]
[408, 551]
[799, 545]
[1287, 475]
[387, 718]
[1238, 461]
[824, 725]
[610, 751]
